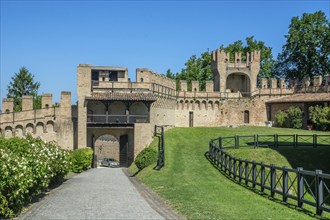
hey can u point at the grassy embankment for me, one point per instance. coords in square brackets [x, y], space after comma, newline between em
[191, 185]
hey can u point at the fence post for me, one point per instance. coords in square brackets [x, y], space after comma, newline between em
[240, 170]
[314, 140]
[256, 140]
[275, 140]
[295, 139]
[210, 149]
[230, 165]
[246, 172]
[272, 180]
[163, 147]
[234, 167]
[319, 192]
[300, 181]
[254, 174]
[236, 142]
[262, 177]
[285, 184]
[226, 162]
[220, 142]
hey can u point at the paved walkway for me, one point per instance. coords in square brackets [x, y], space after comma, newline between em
[103, 193]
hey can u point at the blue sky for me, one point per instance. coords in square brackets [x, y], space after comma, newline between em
[51, 38]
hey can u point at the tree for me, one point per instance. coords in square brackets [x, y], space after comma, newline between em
[197, 68]
[320, 117]
[169, 74]
[307, 48]
[22, 83]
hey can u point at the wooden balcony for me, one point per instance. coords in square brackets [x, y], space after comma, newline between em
[106, 119]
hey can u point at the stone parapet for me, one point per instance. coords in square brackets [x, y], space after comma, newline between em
[317, 80]
[183, 85]
[195, 86]
[46, 100]
[7, 105]
[148, 76]
[27, 102]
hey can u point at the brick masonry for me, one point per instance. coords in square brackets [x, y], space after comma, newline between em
[233, 98]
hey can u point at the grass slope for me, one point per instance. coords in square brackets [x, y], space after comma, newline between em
[191, 185]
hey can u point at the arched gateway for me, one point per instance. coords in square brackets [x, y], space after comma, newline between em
[106, 146]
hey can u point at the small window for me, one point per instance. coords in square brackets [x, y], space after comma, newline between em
[141, 80]
[7, 111]
[103, 78]
[195, 89]
[95, 75]
[47, 106]
[246, 116]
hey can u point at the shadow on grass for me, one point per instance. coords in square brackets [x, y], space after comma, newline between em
[136, 173]
[303, 155]
[258, 192]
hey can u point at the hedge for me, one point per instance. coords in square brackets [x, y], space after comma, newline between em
[145, 158]
[81, 159]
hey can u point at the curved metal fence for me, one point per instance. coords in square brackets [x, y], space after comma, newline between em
[304, 186]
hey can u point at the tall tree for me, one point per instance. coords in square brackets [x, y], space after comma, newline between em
[197, 68]
[307, 48]
[169, 74]
[22, 83]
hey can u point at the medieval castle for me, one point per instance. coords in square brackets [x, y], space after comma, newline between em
[116, 117]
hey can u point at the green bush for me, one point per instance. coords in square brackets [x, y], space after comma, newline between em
[295, 117]
[28, 166]
[281, 119]
[145, 158]
[320, 117]
[291, 118]
[81, 159]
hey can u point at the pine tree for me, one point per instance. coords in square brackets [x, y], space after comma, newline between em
[22, 83]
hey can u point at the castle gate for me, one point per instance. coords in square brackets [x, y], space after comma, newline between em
[106, 146]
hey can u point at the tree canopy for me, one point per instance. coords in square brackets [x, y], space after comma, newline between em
[22, 83]
[307, 48]
[197, 68]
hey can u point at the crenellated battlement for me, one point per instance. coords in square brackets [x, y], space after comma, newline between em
[51, 123]
[46, 103]
[274, 84]
[148, 76]
[221, 57]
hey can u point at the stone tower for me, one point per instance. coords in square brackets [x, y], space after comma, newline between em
[237, 76]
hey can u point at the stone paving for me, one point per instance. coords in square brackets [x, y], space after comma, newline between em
[103, 193]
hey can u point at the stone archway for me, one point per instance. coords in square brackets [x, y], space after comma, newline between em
[238, 82]
[106, 146]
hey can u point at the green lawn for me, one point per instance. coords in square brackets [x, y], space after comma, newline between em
[191, 185]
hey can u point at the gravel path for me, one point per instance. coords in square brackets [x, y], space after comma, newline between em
[103, 193]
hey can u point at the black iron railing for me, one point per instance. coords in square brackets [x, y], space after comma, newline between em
[116, 119]
[159, 131]
[306, 187]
